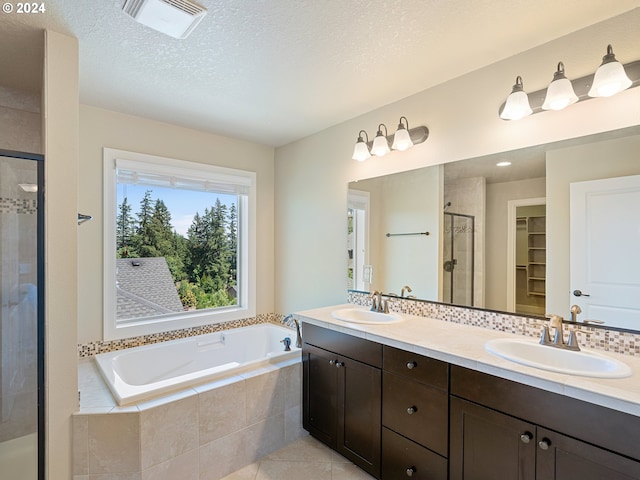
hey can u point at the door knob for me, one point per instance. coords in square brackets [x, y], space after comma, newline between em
[411, 365]
[339, 364]
[412, 410]
[411, 471]
[578, 293]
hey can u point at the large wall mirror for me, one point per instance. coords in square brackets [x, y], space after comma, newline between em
[531, 231]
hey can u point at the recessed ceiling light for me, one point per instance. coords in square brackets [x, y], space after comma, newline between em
[29, 187]
[503, 164]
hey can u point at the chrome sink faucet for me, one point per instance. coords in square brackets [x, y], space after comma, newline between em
[575, 311]
[555, 322]
[377, 303]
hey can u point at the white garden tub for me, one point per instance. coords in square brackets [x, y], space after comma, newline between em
[143, 372]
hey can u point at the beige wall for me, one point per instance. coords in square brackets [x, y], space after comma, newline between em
[60, 105]
[312, 174]
[498, 195]
[20, 120]
[606, 159]
[403, 203]
[101, 128]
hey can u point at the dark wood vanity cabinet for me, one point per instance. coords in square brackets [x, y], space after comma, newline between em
[342, 394]
[489, 438]
[397, 414]
[415, 416]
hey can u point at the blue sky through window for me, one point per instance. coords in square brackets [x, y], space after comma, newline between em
[183, 204]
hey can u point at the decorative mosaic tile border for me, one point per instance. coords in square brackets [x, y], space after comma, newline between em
[15, 205]
[625, 343]
[93, 348]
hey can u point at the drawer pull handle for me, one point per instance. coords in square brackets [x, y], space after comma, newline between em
[526, 437]
[332, 363]
[411, 365]
[411, 471]
[412, 410]
[544, 444]
[339, 364]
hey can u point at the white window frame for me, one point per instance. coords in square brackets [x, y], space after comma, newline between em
[246, 307]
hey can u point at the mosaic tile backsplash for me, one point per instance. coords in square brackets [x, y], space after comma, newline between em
[18, 205]
[625, 343]
[94, 348]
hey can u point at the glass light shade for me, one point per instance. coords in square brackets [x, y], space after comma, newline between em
[610, 78]
[401, 139]
[516, 107]
[560, 94]
[361, 151]
[380, 146]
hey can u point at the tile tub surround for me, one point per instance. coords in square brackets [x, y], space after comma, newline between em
[204, 432]
[103, 346]
[463, 345]
[624, 343]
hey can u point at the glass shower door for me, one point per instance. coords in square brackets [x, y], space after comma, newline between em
[458, 254]
[20, 345]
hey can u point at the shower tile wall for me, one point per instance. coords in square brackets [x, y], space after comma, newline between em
[20, 124]
[20, 120]
[18, 303]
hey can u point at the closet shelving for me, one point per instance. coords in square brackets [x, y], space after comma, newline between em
[536, 265]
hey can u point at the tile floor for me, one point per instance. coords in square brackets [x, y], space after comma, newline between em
[305, 458]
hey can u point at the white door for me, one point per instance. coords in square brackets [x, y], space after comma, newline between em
[605, 250]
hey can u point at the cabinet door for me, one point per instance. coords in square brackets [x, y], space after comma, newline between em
[359, 414]
[320, 394]
[564, 458]
[487, 445]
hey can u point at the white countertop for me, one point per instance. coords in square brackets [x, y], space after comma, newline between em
[464, 346]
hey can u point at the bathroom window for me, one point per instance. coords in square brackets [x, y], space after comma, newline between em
[179, 247]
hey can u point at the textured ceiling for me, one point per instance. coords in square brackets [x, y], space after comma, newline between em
[273, 71]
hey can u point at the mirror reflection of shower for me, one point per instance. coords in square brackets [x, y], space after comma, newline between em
[458, 257]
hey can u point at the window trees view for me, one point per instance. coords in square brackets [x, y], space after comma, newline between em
[195, 232]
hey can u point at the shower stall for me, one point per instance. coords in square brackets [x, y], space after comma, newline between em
[458, 258]
[21, 316]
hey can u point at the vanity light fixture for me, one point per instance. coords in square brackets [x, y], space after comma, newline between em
[503, 164]
[402, 139]
[361, 150]
[610, 78]
[380, 143]
[517, 104]
[560, 92]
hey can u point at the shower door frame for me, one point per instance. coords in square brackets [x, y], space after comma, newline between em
[473, 253]
[41, 299]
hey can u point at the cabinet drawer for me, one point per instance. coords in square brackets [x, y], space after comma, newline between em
[417, 411]
[402, 458]
[349, 346]
[411, 365]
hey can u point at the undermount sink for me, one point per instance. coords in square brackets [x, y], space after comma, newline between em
[359, 315]
[586, 363]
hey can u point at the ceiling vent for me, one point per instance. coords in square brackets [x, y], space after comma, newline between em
[176, 18]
